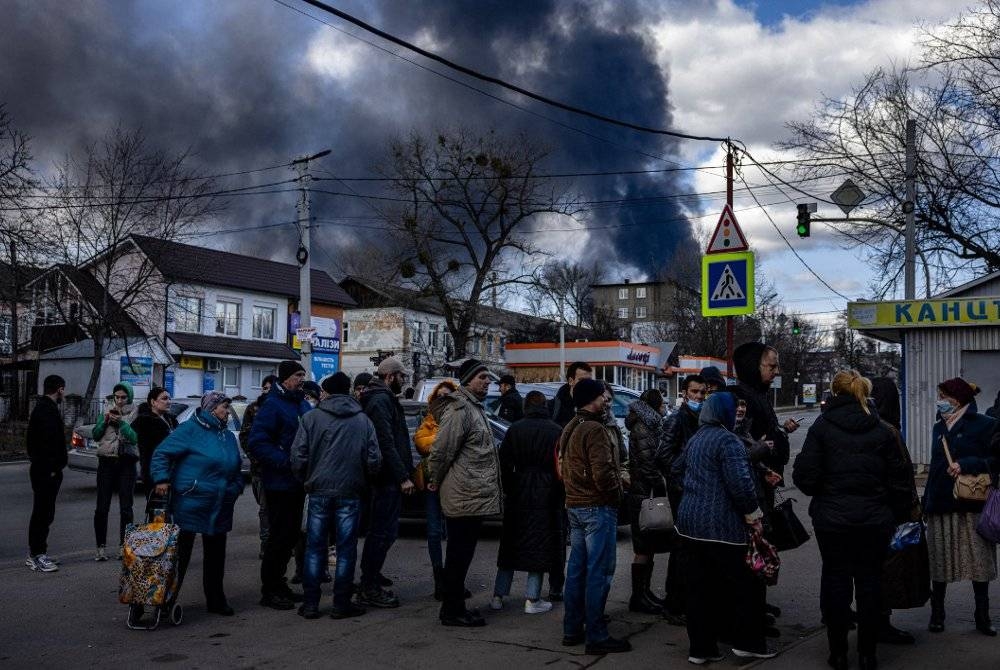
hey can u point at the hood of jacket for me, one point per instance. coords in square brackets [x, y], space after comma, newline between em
[340, 406]
[641, 411]
[535, 412]
[438, 405]
[125, 386]
[846, 413]
[209, 421]
[746, 359]
[719, 410]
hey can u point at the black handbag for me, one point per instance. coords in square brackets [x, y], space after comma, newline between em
[906, 577]
[785, 531]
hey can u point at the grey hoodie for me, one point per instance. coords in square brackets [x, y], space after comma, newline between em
[335, 449]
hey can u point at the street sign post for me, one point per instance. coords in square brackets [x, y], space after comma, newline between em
[848, 196]
[727, 287]
[727, 236]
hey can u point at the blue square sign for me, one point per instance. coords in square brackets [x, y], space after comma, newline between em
[727, 284]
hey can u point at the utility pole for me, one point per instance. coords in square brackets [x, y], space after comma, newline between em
[729, 201]
[304, 255]
[562, 341]
[909, 263]
[15, 391]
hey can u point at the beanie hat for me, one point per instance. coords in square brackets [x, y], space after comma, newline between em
[213, 399]
[958, 389]
[470, 369]
[363, 379]
[288, 368]
[389, 366]
[711, 375]
[586, 391]
[337, 384]
[311, 389]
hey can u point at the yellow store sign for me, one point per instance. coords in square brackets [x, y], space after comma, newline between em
[924, 313]
[192, 362]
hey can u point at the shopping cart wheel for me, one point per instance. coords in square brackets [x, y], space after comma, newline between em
[176, 614]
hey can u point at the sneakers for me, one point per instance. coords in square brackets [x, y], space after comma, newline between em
[609, 645]
[277, 601]
[537, 607]
[351, 610]
[496, 604]
[377, 597]
[745, 653]
[100, 556]
[702, 660]
[41, 563]
[467, 619]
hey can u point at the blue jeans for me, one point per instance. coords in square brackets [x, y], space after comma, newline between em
[436, 532]
[593, 535]
[346, 512]
[387, 502]
[533, 590]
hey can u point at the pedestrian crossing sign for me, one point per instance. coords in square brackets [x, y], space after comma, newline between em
[727, 284]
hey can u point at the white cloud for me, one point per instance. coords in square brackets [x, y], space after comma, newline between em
[335, 55]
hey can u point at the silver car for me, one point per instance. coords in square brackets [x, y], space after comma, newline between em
[83, 446]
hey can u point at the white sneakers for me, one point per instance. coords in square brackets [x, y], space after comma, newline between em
[702, 660]
[41, 563]
[745, 653]
[101, 555]
[539, 606]
[496, 604]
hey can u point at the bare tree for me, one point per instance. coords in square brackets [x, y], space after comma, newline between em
[121, 187]
[953, 96]
[470, 202]
[563, 290]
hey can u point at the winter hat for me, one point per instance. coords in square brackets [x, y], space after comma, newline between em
[389, 366]
[711, 375]
[363, 379]
[470, 369]
[337, 384]
[288, 368]
[958, 389]
[586, 391]
[124, 386]
[213, 399]
[311, 388]
[508, 379]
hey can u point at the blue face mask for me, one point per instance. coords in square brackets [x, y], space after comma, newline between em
[694, 405]
[944, 407]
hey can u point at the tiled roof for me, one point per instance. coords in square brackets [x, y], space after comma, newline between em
[188, 263]
[231, 346]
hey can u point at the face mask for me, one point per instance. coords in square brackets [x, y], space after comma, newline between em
[944, 407]
[312, 403]
[695, 405]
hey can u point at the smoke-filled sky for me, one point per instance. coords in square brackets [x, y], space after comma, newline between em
[247, 84]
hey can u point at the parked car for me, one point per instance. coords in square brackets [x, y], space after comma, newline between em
[83, 448]
[824, 400]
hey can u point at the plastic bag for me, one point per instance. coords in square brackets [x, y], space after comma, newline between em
[907, 535]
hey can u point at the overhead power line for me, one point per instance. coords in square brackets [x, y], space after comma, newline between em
[504, 84]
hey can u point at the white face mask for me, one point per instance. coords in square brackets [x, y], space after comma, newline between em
[312, 403]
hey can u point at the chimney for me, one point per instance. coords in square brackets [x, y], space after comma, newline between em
[627, 280]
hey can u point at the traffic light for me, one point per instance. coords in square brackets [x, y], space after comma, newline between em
[803, 226]
[796, 330]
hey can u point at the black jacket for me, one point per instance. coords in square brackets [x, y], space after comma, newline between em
[531, 537]
[648, 465]
[678, 429]
[562, 406]
[974, 443]
[511, 406]
[385, 412]
[46, 438]
[761, 421]
[150, 429]
[852, 466]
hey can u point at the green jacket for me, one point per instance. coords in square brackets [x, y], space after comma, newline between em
[117, 438]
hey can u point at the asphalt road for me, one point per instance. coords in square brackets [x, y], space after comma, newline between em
[71, 618]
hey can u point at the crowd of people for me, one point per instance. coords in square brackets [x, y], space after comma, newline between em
[562, 475]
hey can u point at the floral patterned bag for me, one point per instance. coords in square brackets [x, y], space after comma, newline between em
[762, 558]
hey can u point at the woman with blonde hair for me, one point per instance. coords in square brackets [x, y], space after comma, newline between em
[861, 488]
[957, 551]
[423, 439]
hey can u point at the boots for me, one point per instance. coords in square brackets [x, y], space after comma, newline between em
[983, 623]
[639, 602]
[936, 624]
[439, 584]
[650, 596]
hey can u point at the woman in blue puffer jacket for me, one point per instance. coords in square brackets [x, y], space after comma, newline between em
[200, 462]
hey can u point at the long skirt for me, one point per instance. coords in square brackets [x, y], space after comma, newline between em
[957, 552]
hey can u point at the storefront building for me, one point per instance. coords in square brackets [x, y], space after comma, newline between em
[634, 366]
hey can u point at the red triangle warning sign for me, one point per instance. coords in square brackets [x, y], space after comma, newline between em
[727, 236]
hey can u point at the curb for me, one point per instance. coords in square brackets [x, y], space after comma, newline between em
[20, 462]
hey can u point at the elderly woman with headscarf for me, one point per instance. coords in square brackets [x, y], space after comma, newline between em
[199, 465]
[716, 515]
[957, 551]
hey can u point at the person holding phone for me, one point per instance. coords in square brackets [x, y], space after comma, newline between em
[117, 456]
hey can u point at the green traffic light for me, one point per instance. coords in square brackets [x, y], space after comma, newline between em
[801, 230]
